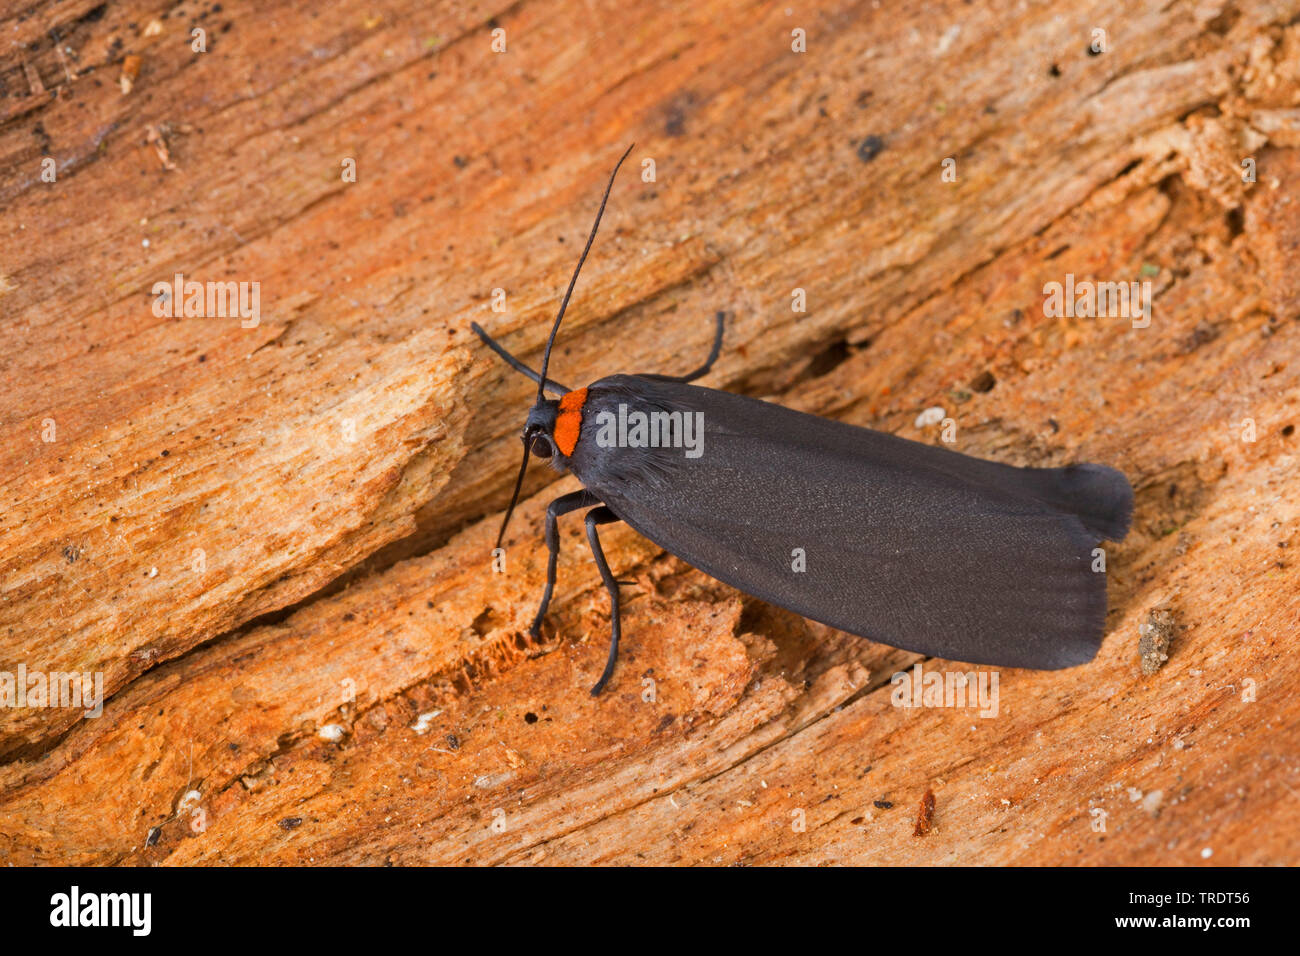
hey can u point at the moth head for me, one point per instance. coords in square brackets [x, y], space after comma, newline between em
[539, 428]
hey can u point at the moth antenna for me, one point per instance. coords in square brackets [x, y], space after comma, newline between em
[546, 356]
[519, 483]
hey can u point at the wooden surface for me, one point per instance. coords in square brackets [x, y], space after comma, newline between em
[342, 678]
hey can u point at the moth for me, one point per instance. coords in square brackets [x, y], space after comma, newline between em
[909, 544]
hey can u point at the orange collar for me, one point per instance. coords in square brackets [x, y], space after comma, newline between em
[569, 422]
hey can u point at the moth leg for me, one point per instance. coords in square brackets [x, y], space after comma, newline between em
[552, 386]
[560, 506]
[703, 370]
[595, 516]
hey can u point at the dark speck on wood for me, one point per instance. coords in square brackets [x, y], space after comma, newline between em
[675, 125]
[870, 148]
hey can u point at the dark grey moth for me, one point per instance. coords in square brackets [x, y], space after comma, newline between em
[909, 544]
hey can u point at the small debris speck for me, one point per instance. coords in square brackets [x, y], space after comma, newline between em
[1151, 802]
[423, 721]
[931, 416]
[870, 148]
[925, 816]
[1154, 637]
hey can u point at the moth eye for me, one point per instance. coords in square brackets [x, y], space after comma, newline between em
[542, 447]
